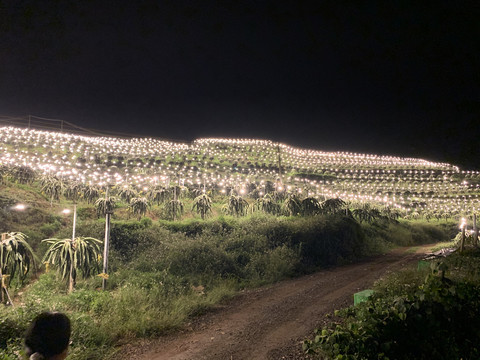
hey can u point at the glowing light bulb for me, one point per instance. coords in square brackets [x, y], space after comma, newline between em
[20, 207]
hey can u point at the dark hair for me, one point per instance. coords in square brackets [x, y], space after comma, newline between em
[48, 335]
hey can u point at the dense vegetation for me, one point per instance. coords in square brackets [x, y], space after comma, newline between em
[432, 313]
[164, 272]
[191, 224]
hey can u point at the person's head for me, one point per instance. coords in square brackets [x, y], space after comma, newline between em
[48, 336]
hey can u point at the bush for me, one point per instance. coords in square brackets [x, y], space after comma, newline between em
[9, 329]
[49, 229]
[326, 241]
[86, 213]
[129, 238]
[199, 258]
[272, 266]
[398, 321]
[196, 227]
[162, 273]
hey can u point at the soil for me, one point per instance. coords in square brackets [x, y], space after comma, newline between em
[271, 322]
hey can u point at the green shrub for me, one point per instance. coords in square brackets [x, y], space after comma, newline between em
[326, 241]
[49, 229]
[34, 237]
[86, 213]
[272, 266]
[127, 236]
[146, 222]
[10, 328]
[86, 228]
[200, 258]
[196, 227]
[398, 321]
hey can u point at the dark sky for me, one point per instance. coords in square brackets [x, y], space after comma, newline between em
[390, 77]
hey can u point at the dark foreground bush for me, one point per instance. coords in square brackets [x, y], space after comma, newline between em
[440, 319]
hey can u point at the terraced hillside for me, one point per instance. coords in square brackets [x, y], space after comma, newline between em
[245, 167]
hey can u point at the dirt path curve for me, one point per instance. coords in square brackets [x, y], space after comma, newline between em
[271, 322]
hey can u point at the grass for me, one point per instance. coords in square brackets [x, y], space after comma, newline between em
[445, 245]
[100, 320]
[163, 272]
[412, 250]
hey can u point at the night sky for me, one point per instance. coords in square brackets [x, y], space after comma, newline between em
[388, 77]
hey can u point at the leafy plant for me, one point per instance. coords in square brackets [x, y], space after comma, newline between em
[292, 205]
[268, 204]
[236, 206]
[202, 205]
[398, 323]
[366, 213]
[393, 214]
[73, 255]
[196, 192]
[4, 174]
[52, 187]
[127, 193]
[158, 194]
[333, 206]
[310, 206]
[73, 191]
[139, 206]
[91, 194]
[16, 257]
[105, 205]
[23, 174]
[174, 209]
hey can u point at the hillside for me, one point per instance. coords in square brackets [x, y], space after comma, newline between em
[286, 220]
[247, 167]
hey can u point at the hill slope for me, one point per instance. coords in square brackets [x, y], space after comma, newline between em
[243, 166]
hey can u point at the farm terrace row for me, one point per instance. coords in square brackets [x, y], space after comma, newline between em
[242, 165]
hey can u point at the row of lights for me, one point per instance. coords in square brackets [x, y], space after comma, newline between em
[66, 166]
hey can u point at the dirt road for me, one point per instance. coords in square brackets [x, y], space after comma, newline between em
[271, 322]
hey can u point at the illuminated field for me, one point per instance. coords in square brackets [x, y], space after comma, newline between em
[246, 167]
